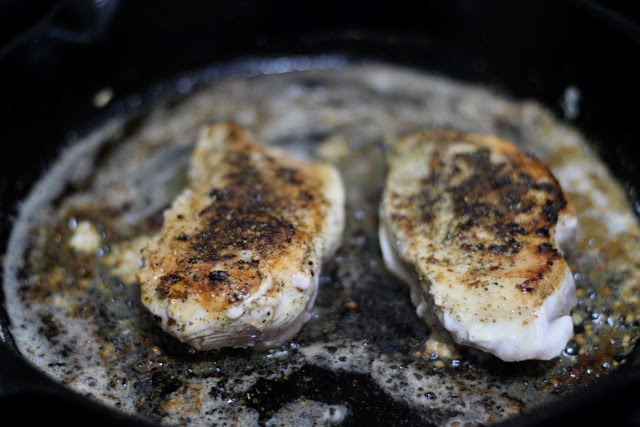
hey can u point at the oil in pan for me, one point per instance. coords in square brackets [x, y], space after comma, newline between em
[364, 356]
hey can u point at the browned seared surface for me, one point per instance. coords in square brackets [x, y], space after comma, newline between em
[475, 219]
[236, 260]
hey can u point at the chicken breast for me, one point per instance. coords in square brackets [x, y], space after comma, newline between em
[237, 261]
[473, 225]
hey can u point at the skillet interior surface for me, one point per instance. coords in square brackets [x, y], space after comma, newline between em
[418, 50]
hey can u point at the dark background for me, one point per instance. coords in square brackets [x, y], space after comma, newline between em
[55, 55]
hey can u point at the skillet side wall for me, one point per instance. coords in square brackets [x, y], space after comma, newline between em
[55, 57]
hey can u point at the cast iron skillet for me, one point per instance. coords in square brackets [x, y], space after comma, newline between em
[55, 56]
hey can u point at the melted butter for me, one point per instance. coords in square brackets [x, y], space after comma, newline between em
[123, 258]
[440, 346]
[78, 317]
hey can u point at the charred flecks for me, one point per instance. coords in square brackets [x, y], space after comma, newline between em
[496, 191]
[427, 215]
[247, 219]
[543, 231]
[219, 195]
[511, 245]
[478, 160]
[428, 198]
[467, 225]
[243, 230]
[166, 281]
[217, 275]
[499, 249]
[511, 199]
[469, 196]
[306, 196]
[504, 181]
[513, 228]
[49, 328]
[473, 248]
[217, 279]
[531, 285]
[182, 237]
[546, 247]
[551, 209]
[544, 187]
[490, 195]
[289, 175]
[246, 214]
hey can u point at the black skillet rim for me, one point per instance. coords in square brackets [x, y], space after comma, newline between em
[580, 57]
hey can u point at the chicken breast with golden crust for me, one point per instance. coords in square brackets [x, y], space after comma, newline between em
[473, 224]
[238, 258]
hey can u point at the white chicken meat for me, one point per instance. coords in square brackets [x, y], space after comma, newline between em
[472, 225]
[238, 258]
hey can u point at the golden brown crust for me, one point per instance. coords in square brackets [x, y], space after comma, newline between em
[259, 211]
[469, 222]
[502, 211]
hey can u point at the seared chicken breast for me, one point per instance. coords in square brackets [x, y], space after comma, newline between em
[239, 255]
[473, 225]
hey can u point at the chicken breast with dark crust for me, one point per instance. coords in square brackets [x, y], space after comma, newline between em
[239, 255]
[473, 225]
